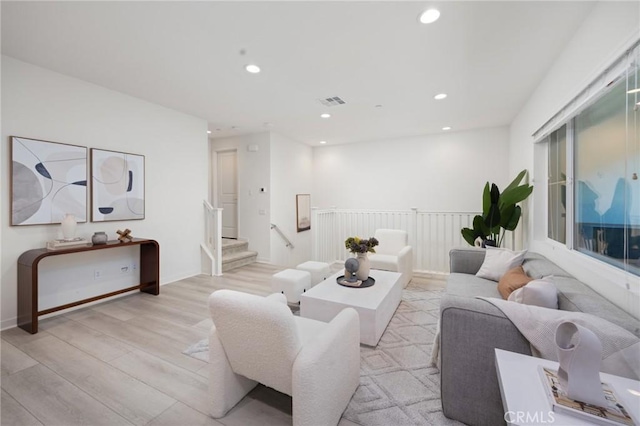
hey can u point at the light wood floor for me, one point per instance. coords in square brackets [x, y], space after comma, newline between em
[121, 362]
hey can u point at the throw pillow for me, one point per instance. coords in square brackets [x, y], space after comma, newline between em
[537, 293]
[498, 261]
[512, 280]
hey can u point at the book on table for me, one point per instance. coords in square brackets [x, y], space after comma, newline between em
[71, 243]
[613, 414]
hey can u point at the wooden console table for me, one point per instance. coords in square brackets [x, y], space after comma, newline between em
[28, 278]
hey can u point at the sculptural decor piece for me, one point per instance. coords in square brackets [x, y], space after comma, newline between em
[580, 355]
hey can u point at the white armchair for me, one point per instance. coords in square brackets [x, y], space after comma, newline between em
[393, 253]
[258, 339]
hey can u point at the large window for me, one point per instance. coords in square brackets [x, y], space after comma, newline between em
[558, 185]
[595, 156]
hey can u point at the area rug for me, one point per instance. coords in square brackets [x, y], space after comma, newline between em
[397, 385]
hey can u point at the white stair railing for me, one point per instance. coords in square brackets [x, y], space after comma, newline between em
[431, 234]
[212, 247]
[284, 237]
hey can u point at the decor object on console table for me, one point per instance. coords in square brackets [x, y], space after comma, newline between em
[580, 354]
[360, 247]
[69, 225]
[99, 238]
[124, 236]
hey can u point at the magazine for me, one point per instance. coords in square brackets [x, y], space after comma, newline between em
[613, 414]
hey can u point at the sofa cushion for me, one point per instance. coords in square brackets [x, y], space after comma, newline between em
[497, 261]
[538, 266]
[465, 285]
[511, 281]
[537, 293]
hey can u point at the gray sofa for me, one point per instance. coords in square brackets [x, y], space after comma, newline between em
[471, 328]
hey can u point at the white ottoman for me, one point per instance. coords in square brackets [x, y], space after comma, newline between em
[319, 271]
[292, 283]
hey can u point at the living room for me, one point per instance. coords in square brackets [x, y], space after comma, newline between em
[73, 80]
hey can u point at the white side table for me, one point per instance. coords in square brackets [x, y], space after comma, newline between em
[525, 402]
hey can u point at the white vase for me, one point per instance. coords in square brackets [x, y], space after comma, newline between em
[69, 225]
[580, 355]
[363, 270]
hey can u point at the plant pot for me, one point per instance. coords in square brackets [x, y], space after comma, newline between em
[489, 242]
[363, 270]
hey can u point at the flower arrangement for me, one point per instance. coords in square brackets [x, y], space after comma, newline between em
[359, 245]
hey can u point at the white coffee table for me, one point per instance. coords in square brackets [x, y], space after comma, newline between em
[375, 305]
[525, 402]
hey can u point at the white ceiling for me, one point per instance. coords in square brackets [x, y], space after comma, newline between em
[487, 56]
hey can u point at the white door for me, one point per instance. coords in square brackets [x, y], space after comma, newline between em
[228, 192]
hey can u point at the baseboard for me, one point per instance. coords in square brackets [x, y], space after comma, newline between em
[8, 323]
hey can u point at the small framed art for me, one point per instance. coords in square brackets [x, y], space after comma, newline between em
[303, 212]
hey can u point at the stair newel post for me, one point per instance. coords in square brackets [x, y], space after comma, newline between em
[217, 240]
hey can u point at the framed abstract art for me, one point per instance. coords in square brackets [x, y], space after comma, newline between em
[48, 181]
[117, 186]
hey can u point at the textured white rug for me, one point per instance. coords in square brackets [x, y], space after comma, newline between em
[397, 386]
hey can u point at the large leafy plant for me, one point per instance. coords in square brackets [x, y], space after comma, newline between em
[499, 212]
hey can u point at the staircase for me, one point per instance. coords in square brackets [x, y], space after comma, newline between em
[235, 253]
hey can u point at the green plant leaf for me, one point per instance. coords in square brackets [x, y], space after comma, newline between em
[468, 236]
[515, 195]
[495, 194]
[514, 218]
[486, 199]
[516, 181]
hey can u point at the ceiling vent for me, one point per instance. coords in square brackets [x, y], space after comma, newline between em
[330, 102]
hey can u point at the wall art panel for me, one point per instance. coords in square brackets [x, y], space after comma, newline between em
[48, 181]
[117, 186]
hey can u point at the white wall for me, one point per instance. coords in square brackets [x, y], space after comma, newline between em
[444, 172]
[253, 174]
[291, 166]
[40, 104]
[610, 29]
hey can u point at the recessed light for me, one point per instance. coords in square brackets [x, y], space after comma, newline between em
[440, 96]
[208, 132]
[633, 91]
[253, 69]
[446, 128]
[429, 16]
[323, 142]
[325, 115]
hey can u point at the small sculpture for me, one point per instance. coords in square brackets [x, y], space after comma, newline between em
[580, 354]
[351, 266]
[124, 236]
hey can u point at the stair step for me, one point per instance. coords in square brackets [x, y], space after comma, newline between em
[235, 260]
[230, 246]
